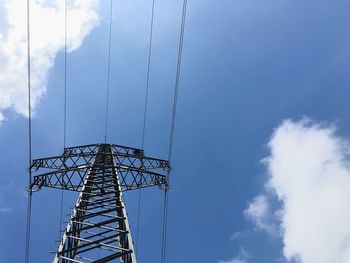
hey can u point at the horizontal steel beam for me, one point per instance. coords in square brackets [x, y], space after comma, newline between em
[68, 171]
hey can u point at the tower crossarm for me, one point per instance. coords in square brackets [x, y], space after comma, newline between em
[69, 179]
[62, 161]
[69, 170]
[140, 161]
[131, 178]
[82, 149]
[66, 161]
[73, 178]
[83, 155]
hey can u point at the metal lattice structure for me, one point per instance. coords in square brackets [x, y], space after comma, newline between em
[98, 229]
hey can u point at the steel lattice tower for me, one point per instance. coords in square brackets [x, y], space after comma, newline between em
[98, 229]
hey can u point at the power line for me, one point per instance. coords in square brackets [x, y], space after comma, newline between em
[148, 75]
[172, 130]
[177, 82]
[109, 66]
[29, 206]
[65, 107]
[65, 74]
[144, 121]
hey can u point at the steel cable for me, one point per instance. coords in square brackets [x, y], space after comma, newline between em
[109, 67]
[64, 109]
[144, 122]
[148, 76]
[172, 129]
[29, 205]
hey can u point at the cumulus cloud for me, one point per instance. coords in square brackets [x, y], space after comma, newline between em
[309, 173]
[47, 39]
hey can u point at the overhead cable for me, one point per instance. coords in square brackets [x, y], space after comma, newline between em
[177, 81]
[29, 205]
[144, 122]
[148, 76]
[109, 67]
[172, 129]
[64, 109]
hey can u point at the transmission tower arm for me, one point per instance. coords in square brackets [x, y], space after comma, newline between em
[69, 170]
[73, 178]
[83, 155]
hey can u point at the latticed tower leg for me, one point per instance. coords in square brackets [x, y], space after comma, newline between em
[98, 229]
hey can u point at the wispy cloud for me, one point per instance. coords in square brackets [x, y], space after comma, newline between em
[260, 213]
[233, 261]
[5, 210]
[241, 258]
[5, 190]
[309, 173]
[47, 39]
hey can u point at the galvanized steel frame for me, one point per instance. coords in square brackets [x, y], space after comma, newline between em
[98, 229]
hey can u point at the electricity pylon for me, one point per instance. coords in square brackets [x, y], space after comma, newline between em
[98, 229]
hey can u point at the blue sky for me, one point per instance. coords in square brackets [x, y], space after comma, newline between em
[247, 67]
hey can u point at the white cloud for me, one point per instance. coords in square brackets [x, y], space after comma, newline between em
[259, 212]
[239, 235]
[47, 39]
[309, 173]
